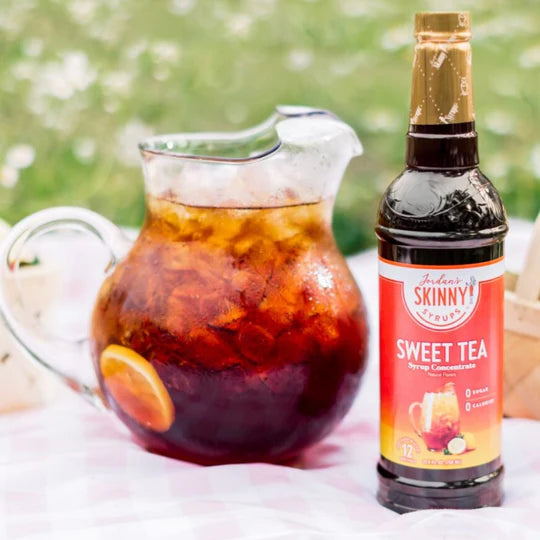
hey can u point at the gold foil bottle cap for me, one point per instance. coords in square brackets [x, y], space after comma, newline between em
[443, 26]
[442, 82]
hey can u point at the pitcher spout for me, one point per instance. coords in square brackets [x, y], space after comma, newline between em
[318, 148]
[323, 130]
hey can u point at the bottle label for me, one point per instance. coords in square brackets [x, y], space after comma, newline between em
[441, 345]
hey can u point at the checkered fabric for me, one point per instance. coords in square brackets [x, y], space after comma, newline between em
[69, 472]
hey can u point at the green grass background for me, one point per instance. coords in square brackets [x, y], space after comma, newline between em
[81, 80]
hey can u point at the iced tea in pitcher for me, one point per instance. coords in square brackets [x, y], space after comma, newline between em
[242, 327]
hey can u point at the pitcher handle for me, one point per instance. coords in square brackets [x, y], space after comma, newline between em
[46, 221]
[412, 407]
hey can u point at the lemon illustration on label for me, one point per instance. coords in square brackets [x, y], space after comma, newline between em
[457, 445]
[470, 441]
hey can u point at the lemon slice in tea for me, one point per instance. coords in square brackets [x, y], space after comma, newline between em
[136, 387]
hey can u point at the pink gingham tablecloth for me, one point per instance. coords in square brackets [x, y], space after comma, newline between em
[69, 472]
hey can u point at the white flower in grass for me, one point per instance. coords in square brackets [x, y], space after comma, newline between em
[111, 106]
[181, 7]
[236, 112]
[354, 8]
[128, 138]
[347, 65]
[382, 121]
[299, 59]
[84, 149]
[82, 11]
[23, 70]
[108, 30]
[505, 84]
[20, 156]
[62, 79]
[367, 9]
[36, 102]
[56, 120]
[136, 49]
[162, 73]
[535, 160]
[530, 58]
[77, 70]
[118, 82]
[239, 24]
[166, 52]
[397, 37]
[51, 81]
[497, 166]
[9, 176]
[263, 8]
[507, 24]
[500, 122]
[32, 47]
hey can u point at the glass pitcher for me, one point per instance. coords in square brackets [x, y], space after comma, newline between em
[232, 329]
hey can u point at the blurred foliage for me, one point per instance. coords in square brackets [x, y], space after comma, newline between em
[83, 80]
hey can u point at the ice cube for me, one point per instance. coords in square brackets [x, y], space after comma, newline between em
[255, 342]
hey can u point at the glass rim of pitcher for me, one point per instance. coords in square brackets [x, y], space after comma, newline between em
[145, 148]
[165, 145]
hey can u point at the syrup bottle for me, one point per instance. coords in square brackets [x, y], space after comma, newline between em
[441, 227]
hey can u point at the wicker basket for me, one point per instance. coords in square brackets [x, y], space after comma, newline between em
[522, 336]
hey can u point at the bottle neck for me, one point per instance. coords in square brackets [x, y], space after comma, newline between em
[442, 146]
[441, 132]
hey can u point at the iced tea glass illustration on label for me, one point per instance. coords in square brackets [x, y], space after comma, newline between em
[232, 329]
[436, 419]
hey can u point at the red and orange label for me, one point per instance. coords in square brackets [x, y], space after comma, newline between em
[441, 344]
